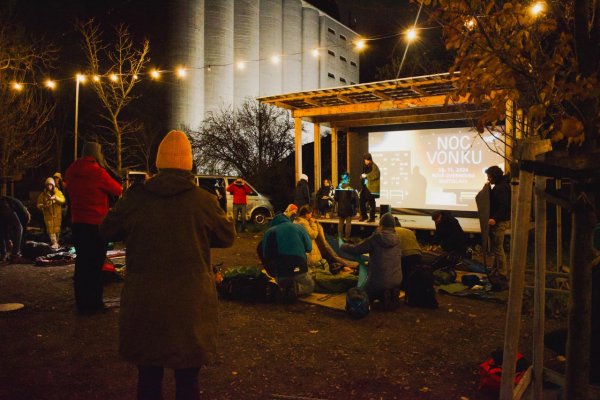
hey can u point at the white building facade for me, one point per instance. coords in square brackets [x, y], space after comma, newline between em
[239, 49]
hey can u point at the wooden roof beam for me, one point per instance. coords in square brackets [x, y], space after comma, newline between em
[312, 102]
[381, 95]
[418, 90]
[345, 99]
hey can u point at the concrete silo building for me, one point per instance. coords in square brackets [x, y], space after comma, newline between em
[239, 49]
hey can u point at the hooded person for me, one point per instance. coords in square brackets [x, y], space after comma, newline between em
[385, 267]
[168, 315]
[284, 249]
[89, 187]
[302, 192]
[50, 202]
[370, 188]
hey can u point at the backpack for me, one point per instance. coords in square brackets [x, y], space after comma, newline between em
[245, 284]
[490, 371]
[357, 303]
[419, 288]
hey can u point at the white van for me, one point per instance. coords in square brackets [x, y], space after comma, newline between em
[259, 209]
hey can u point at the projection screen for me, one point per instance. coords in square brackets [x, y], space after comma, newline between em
[433, 168]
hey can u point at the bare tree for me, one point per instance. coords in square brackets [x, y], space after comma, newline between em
[25, 108]
[115, 69]
[248, 141]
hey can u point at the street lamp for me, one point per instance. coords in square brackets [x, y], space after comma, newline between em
[79, 78]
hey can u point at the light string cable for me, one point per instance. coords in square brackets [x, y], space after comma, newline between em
[408, 42]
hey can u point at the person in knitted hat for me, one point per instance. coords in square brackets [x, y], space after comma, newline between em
[50, 202]
[90, 188]
[302, 192]
[168, 316]
[370, 188]
[385, 269]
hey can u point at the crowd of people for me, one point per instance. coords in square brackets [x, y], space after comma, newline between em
[168, 315]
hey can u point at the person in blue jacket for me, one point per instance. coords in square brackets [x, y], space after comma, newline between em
[284, 248]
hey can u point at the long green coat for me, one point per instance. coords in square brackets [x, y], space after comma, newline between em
[168, 311]
[52, 209]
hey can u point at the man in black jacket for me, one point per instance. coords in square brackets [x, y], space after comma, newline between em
[499, 220]
[451, 237]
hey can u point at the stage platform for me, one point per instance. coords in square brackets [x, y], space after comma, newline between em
[416, 222]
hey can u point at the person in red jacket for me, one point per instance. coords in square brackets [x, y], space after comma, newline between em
[89, 187]
[240, 191]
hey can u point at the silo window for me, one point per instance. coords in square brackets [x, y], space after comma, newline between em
[343, 37]
[331, 53]
[353, 83]
[343, 80]
[353, 63]
[343, 58]
[329, 74]
[330, 30]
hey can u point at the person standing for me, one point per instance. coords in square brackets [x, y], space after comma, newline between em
[50, 202]
[347, 205]
[240, 191]
[302, 192]
[370, 188]
[499, 221]
[89, 187]
[14, 218]
[168, 315]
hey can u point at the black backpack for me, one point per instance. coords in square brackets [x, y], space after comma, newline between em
[248, 288]
[419, 288]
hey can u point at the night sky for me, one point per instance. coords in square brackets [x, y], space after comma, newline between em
[55, 19]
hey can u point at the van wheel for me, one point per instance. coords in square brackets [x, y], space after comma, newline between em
[259, 217]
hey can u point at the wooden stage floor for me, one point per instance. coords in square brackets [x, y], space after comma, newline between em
[416, 222]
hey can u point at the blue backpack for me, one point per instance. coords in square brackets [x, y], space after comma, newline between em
[357, 303]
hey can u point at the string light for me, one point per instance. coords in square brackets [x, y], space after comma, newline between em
[135, 77]
[410, 34]
[241, 65]
[470, 23]
[80, 78]
[360, 44]
[96, 78]
[275, 59]
[315, 52]
[50, 84]
[155, 74]
[537, 8]
[181, 72]
[113, 77]
[17, 86]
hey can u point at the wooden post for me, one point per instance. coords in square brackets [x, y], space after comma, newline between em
[348, 151]
[334, 157]
[578, 338]
[539, 291]
[518, 260]
[298, 147]
[559, 255]
[317, 156]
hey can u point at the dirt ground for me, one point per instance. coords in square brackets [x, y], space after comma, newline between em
[267, 351]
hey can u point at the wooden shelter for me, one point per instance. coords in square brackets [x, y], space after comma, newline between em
[422, 99]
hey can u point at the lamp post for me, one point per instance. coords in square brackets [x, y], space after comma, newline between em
[78, 79]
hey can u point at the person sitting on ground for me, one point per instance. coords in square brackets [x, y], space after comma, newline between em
[347, 205]
[14, 218]
[325, 198]
[50, 202]
[411, 251]
[320, 247]
[385, 255]
[451, 237]
[284, 249]
[291, 211]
